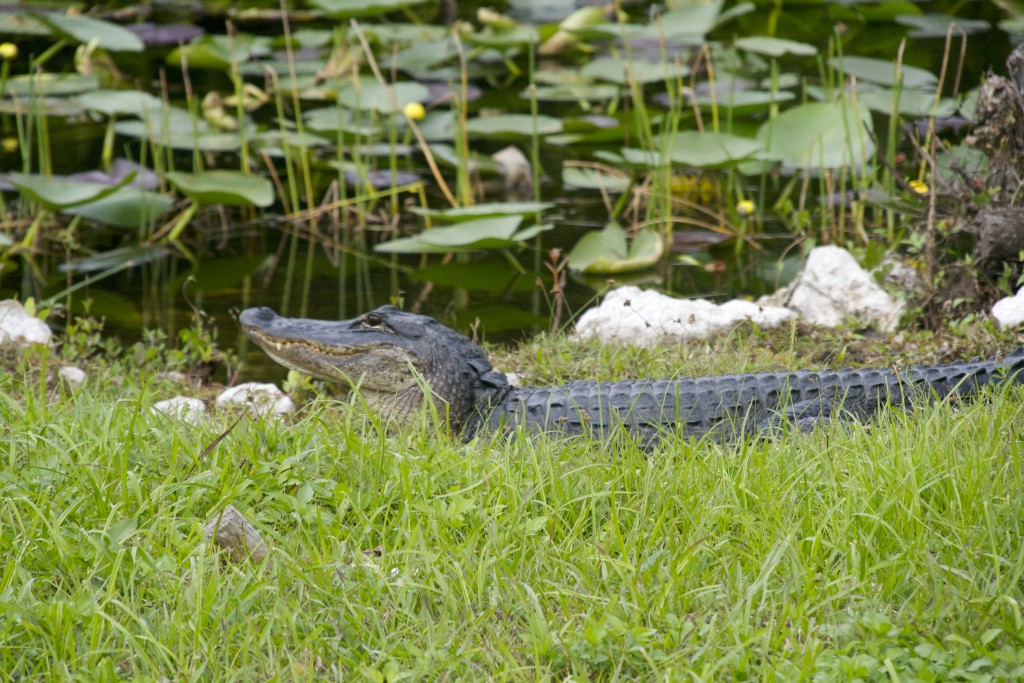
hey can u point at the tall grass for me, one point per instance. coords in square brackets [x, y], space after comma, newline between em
[879, 553]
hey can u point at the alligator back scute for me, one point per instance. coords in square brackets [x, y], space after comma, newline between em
[730, 406]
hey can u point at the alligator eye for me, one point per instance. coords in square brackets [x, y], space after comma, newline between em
[372, 320]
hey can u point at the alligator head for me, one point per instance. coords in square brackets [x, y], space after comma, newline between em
[388, 355]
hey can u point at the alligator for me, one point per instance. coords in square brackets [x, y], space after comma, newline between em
[395, 358]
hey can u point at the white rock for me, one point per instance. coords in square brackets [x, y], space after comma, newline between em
[184, 408]
[834, 288]
[1009, 312]
[262, 399]
[646, 318]
[72, 375]
[18, 326]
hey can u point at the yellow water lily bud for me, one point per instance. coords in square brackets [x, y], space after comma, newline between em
[414, 111]
[8, 50]
[745, 208]
[9, 144]
[919, 186]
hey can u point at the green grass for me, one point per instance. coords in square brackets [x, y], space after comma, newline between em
[888, 552]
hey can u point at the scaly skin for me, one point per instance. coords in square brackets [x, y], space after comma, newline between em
[390, 355]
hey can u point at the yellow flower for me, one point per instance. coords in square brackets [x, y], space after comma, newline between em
[8, 50]
[9, 144]
[919, 187]
[745, 208]
[414, 111]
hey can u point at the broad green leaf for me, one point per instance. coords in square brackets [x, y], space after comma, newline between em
[622, 72]
[368, 94]
[819, 135]
[58, 193]
[346, 9]
[883, 72]
[47, 83]
[775, 47]
[705, 150]
[514, 37]
[219, 52]
[505, 125]
[581, 92]
[179, 137]
[486, 233]
[911, 102]
[14, 24]
[446, 155]
[936, 25]
[232, 188]
[128, 207]
[484, 210]
[120, 102]
[744, 102]
[593, 179]
[339, 119]
[122, 257]
[83, 29]
[608, 251]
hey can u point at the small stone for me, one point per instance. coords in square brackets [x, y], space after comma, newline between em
[184, 408]
[18, 326]
[262, 399]
[72, 375]
[1009, 311]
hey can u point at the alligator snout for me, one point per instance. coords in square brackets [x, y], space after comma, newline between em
[258, 317]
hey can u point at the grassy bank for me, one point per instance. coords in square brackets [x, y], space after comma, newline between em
[891, 552]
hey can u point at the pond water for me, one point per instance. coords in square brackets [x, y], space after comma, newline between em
[229, 259]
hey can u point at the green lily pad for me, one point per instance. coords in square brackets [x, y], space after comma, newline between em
[47, 83]
[446, 155]
[883, 72]
[368, 94]
[581, 92]
[775, 47]
[936, 25]
[475, 211]
[593, 179]
[518, 36]
[744, 102]
[608, 251]
[178, 136]
[711, 150]
[819, 135]
[513, 125]
[337, 119]
[83, 29]
[122, 257]
[121, 102]
[13, 24]
[911, 102]
[219, 52]
[496, 232]
[622, 72]
[127, 207]
[58, 193]
[630, 156]
[232, 188]
[346, 9]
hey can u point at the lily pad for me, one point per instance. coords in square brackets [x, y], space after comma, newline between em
[338, 119]
[593, 179]
[178, 136]
[346, 9]
[744, 102]
[484, 210]
[232, 188]
[127, 207]
[59, 193]
[775, 47]
[936, 25]
[83, 29]
[122, 257]
[47, 83]
[446, 155]
[622, 72]
[513, 125]
[711, 150]
[121, 102]
[368, 94]
[485, 233]
[883, 72]
[219, 52]
[608, 251]
[582, 92]
[819, 135]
